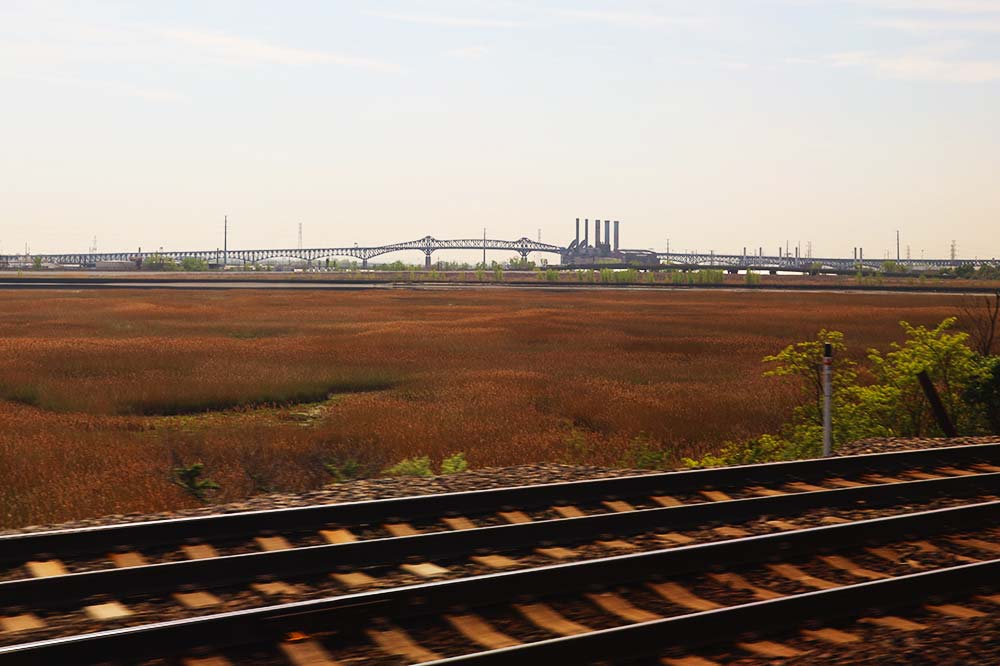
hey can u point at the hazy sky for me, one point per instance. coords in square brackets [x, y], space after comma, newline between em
[715, 123]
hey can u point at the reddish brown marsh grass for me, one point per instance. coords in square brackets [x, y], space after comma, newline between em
[105, 392]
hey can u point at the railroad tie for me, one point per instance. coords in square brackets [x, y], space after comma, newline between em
[207, 661]
[24, 622]
[921, 476]
[424, 569]
[835, 636]
[618, 506]
[557, 553]
[480, 632]
[396, 641]
[794, 573]
[770, 650]
[782, 524]
[978, 544]
[199, 551]
[458, 523]
[955, 471]
[495, 561]
[715, 495]
[111, 610]
[844, 483]
[893, 622]
[681, 596]
[802, 486]
[620, 607]
[46, 568]
[986, 467]
[891, 555]
[515, 517]
[761, 491]
[666, 500]
[401, 529]
[545, 617]
[881, 478]
[277, 588]
[688, 661]
[833, 520]
[196, 600]
[269, 543]
[568, 511]
[131, 558]
[307, 653]
[738, 582]
[353, 579]
[994, 598]
[731, 532]
[675, 538]
[844, 564]
[954, 610]
[338, 535]
[616, 544]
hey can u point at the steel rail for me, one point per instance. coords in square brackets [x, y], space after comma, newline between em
[724, 625]
[231, 569]
[298, 561]
[220, 526]
[271, 623]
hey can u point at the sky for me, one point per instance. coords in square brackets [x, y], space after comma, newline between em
[716, 124]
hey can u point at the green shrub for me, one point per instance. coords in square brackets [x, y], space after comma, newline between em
[577, 448]
[454, 464]
[188, 478]
[642, 453]
[344, 470]
[419, 466]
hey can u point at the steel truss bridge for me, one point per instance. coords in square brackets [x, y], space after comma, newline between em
[428, 245]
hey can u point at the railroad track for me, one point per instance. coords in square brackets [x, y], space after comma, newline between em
[611, 530]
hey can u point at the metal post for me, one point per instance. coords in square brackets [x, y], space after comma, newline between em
[225, 240]
[827, 399]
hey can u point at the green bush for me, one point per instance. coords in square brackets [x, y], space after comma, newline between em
[419, 466]
[344, 470]
[454, 464]
[644, 454]
[188, 478]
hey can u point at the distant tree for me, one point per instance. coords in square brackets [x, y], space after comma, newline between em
[36, 262]
[194, 264]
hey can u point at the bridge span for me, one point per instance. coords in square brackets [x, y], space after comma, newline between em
[428, 245]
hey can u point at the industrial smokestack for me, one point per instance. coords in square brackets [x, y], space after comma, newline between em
[597, 233]
[586, 232]
[607, 232]
[578, 232]
[616, 235]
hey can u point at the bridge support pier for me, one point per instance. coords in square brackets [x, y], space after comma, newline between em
[524, 255]
[427, 260]
[364, 263]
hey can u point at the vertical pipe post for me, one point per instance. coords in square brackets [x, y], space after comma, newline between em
[827, 399]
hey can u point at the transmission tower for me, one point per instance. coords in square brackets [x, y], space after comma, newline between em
[93, 247]
[300, 235]
[954, 250]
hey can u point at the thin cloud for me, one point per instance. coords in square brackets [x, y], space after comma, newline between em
[915, 67]
[469, 53]
[926, 26]
[451, 21]
[631, 19]
[244, 51]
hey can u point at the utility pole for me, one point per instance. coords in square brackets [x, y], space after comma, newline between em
[225, 240]
[897, 245]
[668, 246]
[484, 247]
[300, 235]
